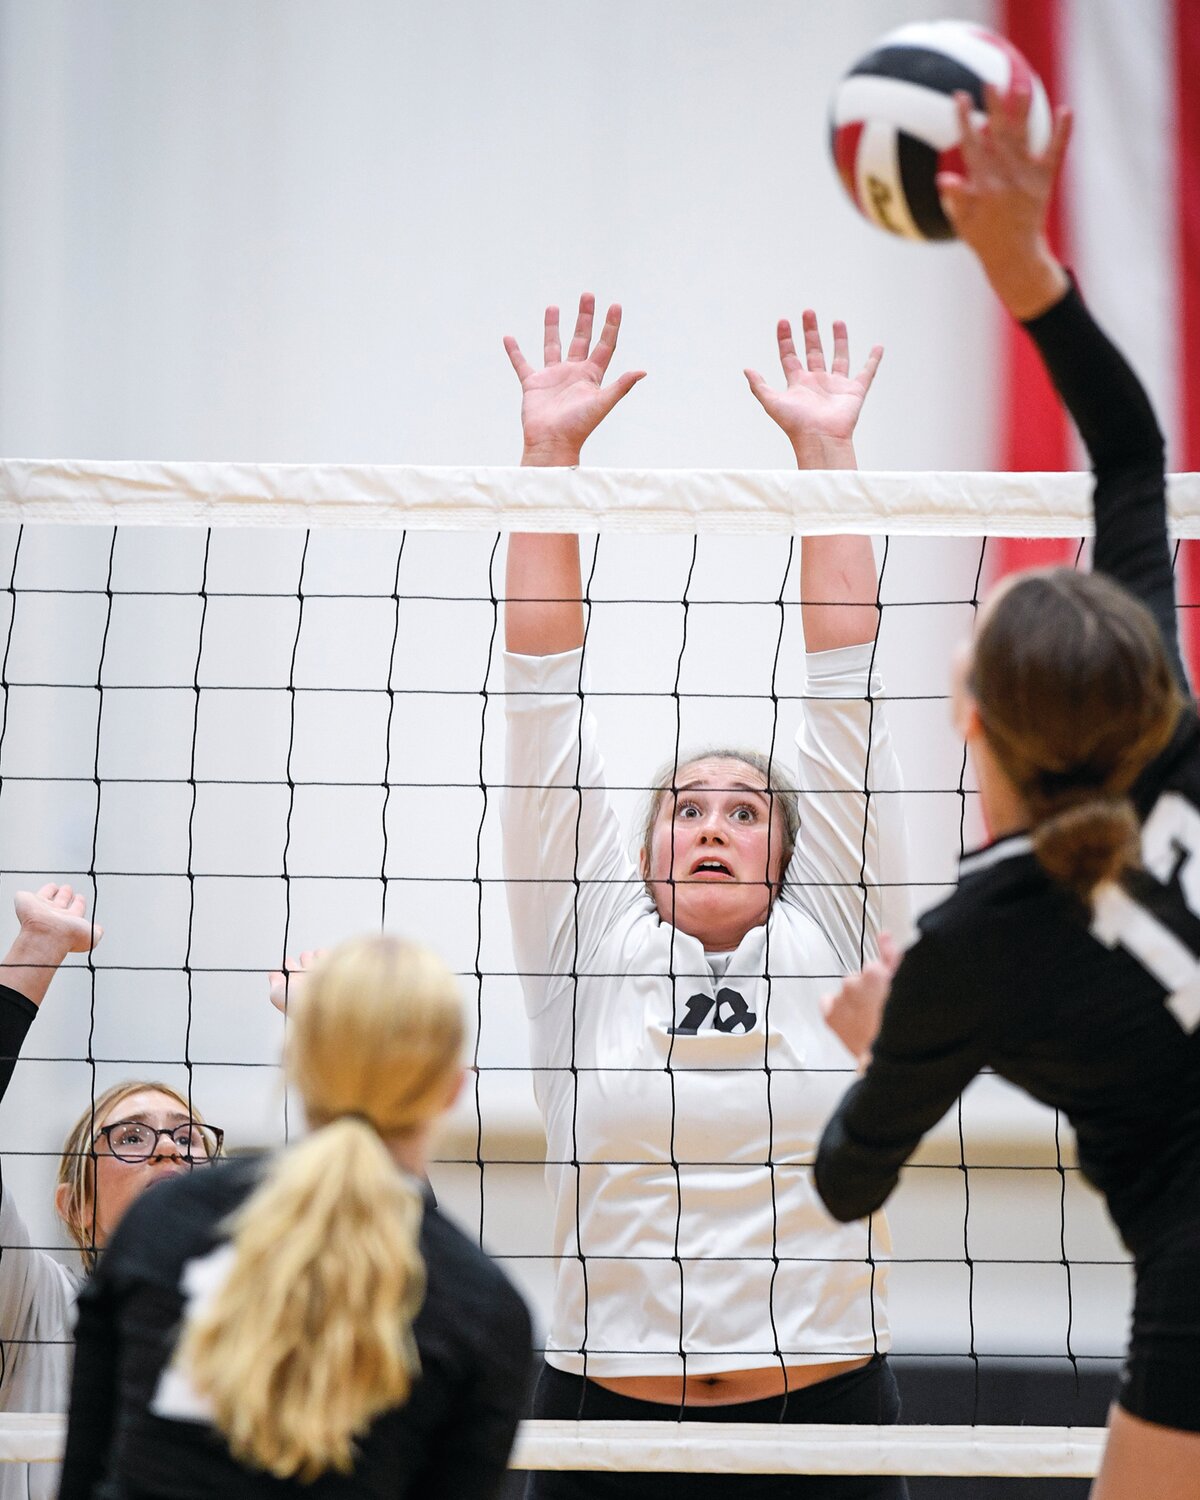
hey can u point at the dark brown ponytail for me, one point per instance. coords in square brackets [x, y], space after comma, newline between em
[1089, 843]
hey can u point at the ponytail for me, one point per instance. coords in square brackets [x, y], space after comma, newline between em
[310, 1336]
[1075, 695]
[1088, 843]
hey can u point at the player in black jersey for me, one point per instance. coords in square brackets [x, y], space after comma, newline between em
[1059, 961]
[309, 1323]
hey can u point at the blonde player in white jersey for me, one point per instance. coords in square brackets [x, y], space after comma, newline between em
[128, 1137]
[681, 1060]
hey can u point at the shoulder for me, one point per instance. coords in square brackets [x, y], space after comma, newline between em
[1002, 891]
[1176, 768]
[180, 1217]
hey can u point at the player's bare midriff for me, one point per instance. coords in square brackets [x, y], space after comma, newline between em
[730, 1386]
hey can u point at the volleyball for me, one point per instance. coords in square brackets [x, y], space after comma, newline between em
[893, 125]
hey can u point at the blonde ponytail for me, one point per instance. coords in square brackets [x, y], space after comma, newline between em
[310, 1338]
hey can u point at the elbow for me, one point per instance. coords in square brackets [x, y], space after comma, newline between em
[844, 1199]
[846, 1208]
[851, 1182]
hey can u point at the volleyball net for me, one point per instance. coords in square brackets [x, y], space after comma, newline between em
[251, 710]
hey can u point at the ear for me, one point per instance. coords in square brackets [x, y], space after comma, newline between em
[62, 1203]
[643, 863]
[966, 718]
[455, 1088]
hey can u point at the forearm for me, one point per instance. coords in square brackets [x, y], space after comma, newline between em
[1110, 407]
[850, 866]
[543, 610]
[838, 591]
[16, 1016]
[32, 962]
[1106, 400]
[1028, 279]
[851, 1183]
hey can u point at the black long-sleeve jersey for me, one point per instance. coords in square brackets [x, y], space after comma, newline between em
[1096, 1012]
[450, 1441]
[17, 1015]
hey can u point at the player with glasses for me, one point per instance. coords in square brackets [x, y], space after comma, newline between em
[127, 1138]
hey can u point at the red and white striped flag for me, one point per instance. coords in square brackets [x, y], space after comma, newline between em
[1127, 219]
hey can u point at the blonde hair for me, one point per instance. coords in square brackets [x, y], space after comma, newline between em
[1076, 696]
[310, 1337]
[77, 1165]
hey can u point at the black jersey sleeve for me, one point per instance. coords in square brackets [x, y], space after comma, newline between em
[94, 1386]
[16, 1017]
[1116, 421]
[931, 1044]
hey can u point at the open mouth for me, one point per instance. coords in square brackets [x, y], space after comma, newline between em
[711, 869]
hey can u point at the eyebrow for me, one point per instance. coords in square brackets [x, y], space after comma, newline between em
[176, 1116]
[724, 786]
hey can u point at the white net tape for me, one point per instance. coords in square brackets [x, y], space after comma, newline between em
[605, 500]
[735, 1448]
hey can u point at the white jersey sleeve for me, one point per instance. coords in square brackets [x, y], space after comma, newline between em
[850, 866]
[567, 873]
[37, 1302]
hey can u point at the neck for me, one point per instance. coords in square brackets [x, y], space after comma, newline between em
[1004, 809]
[411, 1151]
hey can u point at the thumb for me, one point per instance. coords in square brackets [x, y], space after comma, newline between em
[621, 388]
[951, 192]
[889, 952]
[758, 386]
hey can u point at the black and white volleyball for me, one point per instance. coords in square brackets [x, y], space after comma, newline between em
[893, 125]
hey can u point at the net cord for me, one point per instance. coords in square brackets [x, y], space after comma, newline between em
[725, 501]
[732, 1448]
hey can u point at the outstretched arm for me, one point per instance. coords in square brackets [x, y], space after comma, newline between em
[999, 210]
[818, 410]
[36, 1292]
[561, 405]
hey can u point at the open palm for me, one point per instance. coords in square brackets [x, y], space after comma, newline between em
[818, 402]
[566, 400]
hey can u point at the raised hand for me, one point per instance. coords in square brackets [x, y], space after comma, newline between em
[53, 924]
[999, 205]
[566, 400]
[288, 983]
[819, 406]
[854, 1011]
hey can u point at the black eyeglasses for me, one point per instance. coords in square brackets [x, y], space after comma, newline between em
[135, 1140]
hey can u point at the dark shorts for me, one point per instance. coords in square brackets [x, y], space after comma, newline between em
[865, 1395]
[1159, 1381]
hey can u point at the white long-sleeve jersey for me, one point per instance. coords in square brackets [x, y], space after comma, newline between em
[682, 1109]
[37, 1337]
